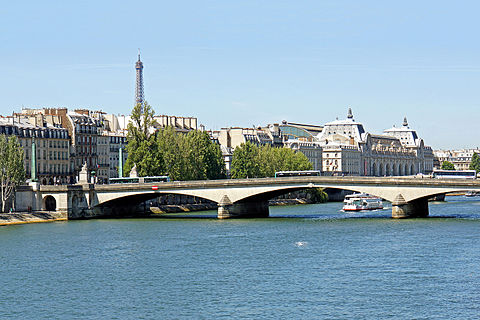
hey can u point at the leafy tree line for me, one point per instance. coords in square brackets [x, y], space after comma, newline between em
[12, 170]
[475, 163]
[191, 156]
[251, 161]
[447, 165]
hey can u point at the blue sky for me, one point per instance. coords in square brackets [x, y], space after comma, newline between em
[244, 63]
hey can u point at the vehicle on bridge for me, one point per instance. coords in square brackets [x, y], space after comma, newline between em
[361, 201]
[139, 179]
[297, 173]
[454, 174]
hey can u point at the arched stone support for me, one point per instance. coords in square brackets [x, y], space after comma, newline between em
[417, 208]
[242, 209]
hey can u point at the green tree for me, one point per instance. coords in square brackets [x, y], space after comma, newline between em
[475, 163]
[447, 165]
[257, 162]
[294, 161]
[12, 170]
[215, 163]
[191, 156]
[318, 195]
[272, 159]
[195, 150]
[269, 161]
[171, 145]
[142, 148]
[203, 157]
[245, 161]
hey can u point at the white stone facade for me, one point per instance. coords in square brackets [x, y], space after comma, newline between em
[51, 144]
[349, 150]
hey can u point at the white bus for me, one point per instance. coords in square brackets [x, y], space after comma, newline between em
[454, 174]
[297, 173]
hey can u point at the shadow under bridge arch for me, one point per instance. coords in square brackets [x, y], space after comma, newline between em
[268, 195]
[140, 202]
[136, 199]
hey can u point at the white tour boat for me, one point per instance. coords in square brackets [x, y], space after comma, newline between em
[361, 201]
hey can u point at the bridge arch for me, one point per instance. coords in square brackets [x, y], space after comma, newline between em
[136, 198]
[49, 203]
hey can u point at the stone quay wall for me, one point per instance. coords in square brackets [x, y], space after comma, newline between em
[27, 217]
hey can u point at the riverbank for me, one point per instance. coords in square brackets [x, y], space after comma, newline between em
[25, 217]
[39, 217]
[172, 208]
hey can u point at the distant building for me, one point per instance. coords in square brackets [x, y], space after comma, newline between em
[115, 133]
[298, 131]
[235, 136]
[230, 138]
[461, 158]
[52, 147]
[84, 127]
[117, 141]
[303, 138]
[180, 124]
[311, 149]
[349, 150]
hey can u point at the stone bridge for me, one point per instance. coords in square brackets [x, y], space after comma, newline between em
[235, 198]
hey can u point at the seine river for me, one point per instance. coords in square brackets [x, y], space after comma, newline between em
[304, 262]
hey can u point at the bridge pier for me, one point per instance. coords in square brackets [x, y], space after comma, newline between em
[414, 209]
[244, 209]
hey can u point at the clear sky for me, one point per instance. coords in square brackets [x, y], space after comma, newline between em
[244, 63]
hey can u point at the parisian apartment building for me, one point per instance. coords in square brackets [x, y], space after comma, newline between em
[66, 141]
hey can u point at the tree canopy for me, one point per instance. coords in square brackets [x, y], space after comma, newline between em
[141, 148]
[447, 165]
[12, 170]
[475, 163]
[191, 156]
[245, 161]
[251, 161]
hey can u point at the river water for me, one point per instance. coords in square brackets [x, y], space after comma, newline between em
[304, 262]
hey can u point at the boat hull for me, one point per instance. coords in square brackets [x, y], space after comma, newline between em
[362, 202]
[361, 209]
